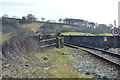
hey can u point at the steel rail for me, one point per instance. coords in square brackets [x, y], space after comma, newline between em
[104, 54]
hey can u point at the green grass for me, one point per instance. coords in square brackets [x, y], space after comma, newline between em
[60, 66]
[67, 26]
[41, 21]
[86, 34]
[77, 33]
[7, 29]
[33, 26]
[106, 34]
[6, 36]
[54, 66]
[6, 32]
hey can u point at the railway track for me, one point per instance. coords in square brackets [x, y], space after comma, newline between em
[103, 54]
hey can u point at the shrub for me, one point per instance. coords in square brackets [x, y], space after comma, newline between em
[22, 42]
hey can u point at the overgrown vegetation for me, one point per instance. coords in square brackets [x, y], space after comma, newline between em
[21, 42]
[50, 64]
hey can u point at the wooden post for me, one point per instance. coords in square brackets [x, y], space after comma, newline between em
[61, 42]
[57, 42]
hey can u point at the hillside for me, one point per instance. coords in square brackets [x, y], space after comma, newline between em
[8, 30]
[33, 26]
[49, 28]
[26, 61]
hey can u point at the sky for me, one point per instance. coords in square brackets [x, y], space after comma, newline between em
[98, 11]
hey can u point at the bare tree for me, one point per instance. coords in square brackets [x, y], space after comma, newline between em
[5, 16]
[60, 20]
[31, 18]
[42, 19]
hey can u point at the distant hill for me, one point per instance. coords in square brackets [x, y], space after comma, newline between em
[33, 26]
[52, 28]
[7, 30]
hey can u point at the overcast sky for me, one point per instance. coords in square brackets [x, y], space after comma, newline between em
[100, 11]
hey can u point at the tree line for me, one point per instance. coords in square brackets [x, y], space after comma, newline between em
[25, 19]
[81, 22]
[79, 25]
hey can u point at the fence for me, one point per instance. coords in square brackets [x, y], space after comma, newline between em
[94, 41]
[54, 42]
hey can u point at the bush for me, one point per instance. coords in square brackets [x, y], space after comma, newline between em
[22, 42]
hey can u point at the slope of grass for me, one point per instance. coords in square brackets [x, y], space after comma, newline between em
[7, 29]
[6, 32]
[77, 33]
[33, 26]
[6, 36]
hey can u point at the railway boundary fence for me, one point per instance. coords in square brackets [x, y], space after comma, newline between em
[52, 42]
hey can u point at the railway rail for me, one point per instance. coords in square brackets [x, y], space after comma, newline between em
[103, 54]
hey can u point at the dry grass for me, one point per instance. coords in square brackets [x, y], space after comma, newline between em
[33, 26]
[6, 36]
[50, 64]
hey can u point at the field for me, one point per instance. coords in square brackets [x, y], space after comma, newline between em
[78, 33]
[33, 26]
[67, 26]
[106, 34]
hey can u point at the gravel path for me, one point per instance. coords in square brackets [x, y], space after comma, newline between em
[87, 64]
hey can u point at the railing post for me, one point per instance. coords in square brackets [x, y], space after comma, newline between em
[61, 42]
[57, 42]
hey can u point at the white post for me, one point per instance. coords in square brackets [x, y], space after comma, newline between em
[114, 23]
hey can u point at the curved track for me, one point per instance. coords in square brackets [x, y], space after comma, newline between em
[103, 54]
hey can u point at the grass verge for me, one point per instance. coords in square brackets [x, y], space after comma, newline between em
[50, 64]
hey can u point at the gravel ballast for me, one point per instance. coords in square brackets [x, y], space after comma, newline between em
[87, 64]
